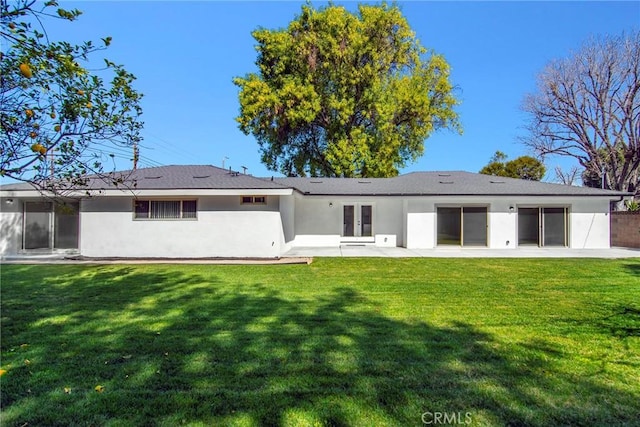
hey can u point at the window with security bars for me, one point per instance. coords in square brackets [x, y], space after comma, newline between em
[165, 209]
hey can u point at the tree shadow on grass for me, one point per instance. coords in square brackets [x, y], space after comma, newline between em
[171, 347]
[623, 321]
[633, 267]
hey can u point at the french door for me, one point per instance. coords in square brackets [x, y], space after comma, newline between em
[357, 220]
[542, 226]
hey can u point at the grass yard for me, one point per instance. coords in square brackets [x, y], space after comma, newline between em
[359, 342]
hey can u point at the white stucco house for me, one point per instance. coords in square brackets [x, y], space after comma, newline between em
[205, 211]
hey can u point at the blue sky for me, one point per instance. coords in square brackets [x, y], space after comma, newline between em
[185, 55]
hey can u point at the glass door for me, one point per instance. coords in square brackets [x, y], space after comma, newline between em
[348, 220]
[542, 227]
[50, 227]
[554, 227]
[529, 226]
[366, 220]
[66, 226]
[357, 220]
[37, 225]
[465, 226]
[449, 226]
[474, 229]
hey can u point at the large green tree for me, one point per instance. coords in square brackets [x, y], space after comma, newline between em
[344, 94]
[58, 120]
[523, 167]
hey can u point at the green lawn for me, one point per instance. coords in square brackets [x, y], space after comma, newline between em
[338, 342]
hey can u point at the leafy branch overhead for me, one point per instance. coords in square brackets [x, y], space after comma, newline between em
[58, 119]
[344, 94]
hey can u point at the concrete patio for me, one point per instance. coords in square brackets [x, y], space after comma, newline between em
[458, 252]
[304, 255]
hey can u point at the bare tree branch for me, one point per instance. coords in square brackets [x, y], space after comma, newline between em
[587, 107]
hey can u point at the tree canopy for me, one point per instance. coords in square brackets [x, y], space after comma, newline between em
[524, 167]
[587, 106]
[344, 94]
[59, 121]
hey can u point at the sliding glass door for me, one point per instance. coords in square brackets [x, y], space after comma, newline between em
[554, 227]
[50, 226]
[542, 226]
[474, 229]
[462, 226]
[528, 226]
[37, 225]
[449, 226]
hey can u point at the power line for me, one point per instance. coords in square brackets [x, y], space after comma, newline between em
[161, 144]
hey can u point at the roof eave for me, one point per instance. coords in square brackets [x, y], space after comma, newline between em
[174, 192]
[611, 196]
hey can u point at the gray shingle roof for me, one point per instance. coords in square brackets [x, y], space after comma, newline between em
[437, 184]
[176, 177]
[457, 183]
[195, 177]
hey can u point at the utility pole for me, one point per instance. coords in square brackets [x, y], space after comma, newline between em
[223, 159]
[136, 156]
[52, 161]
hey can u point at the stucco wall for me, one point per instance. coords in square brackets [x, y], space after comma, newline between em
[589, 226]
[422, 227]
[287, 217]
[223, 228]
[227, 228]
[588, 219]
[319, 219]
[10, 226]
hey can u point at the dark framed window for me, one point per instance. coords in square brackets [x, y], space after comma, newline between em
[165, 209]
[254, 200]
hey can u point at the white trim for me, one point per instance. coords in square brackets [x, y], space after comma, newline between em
[175, 193]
